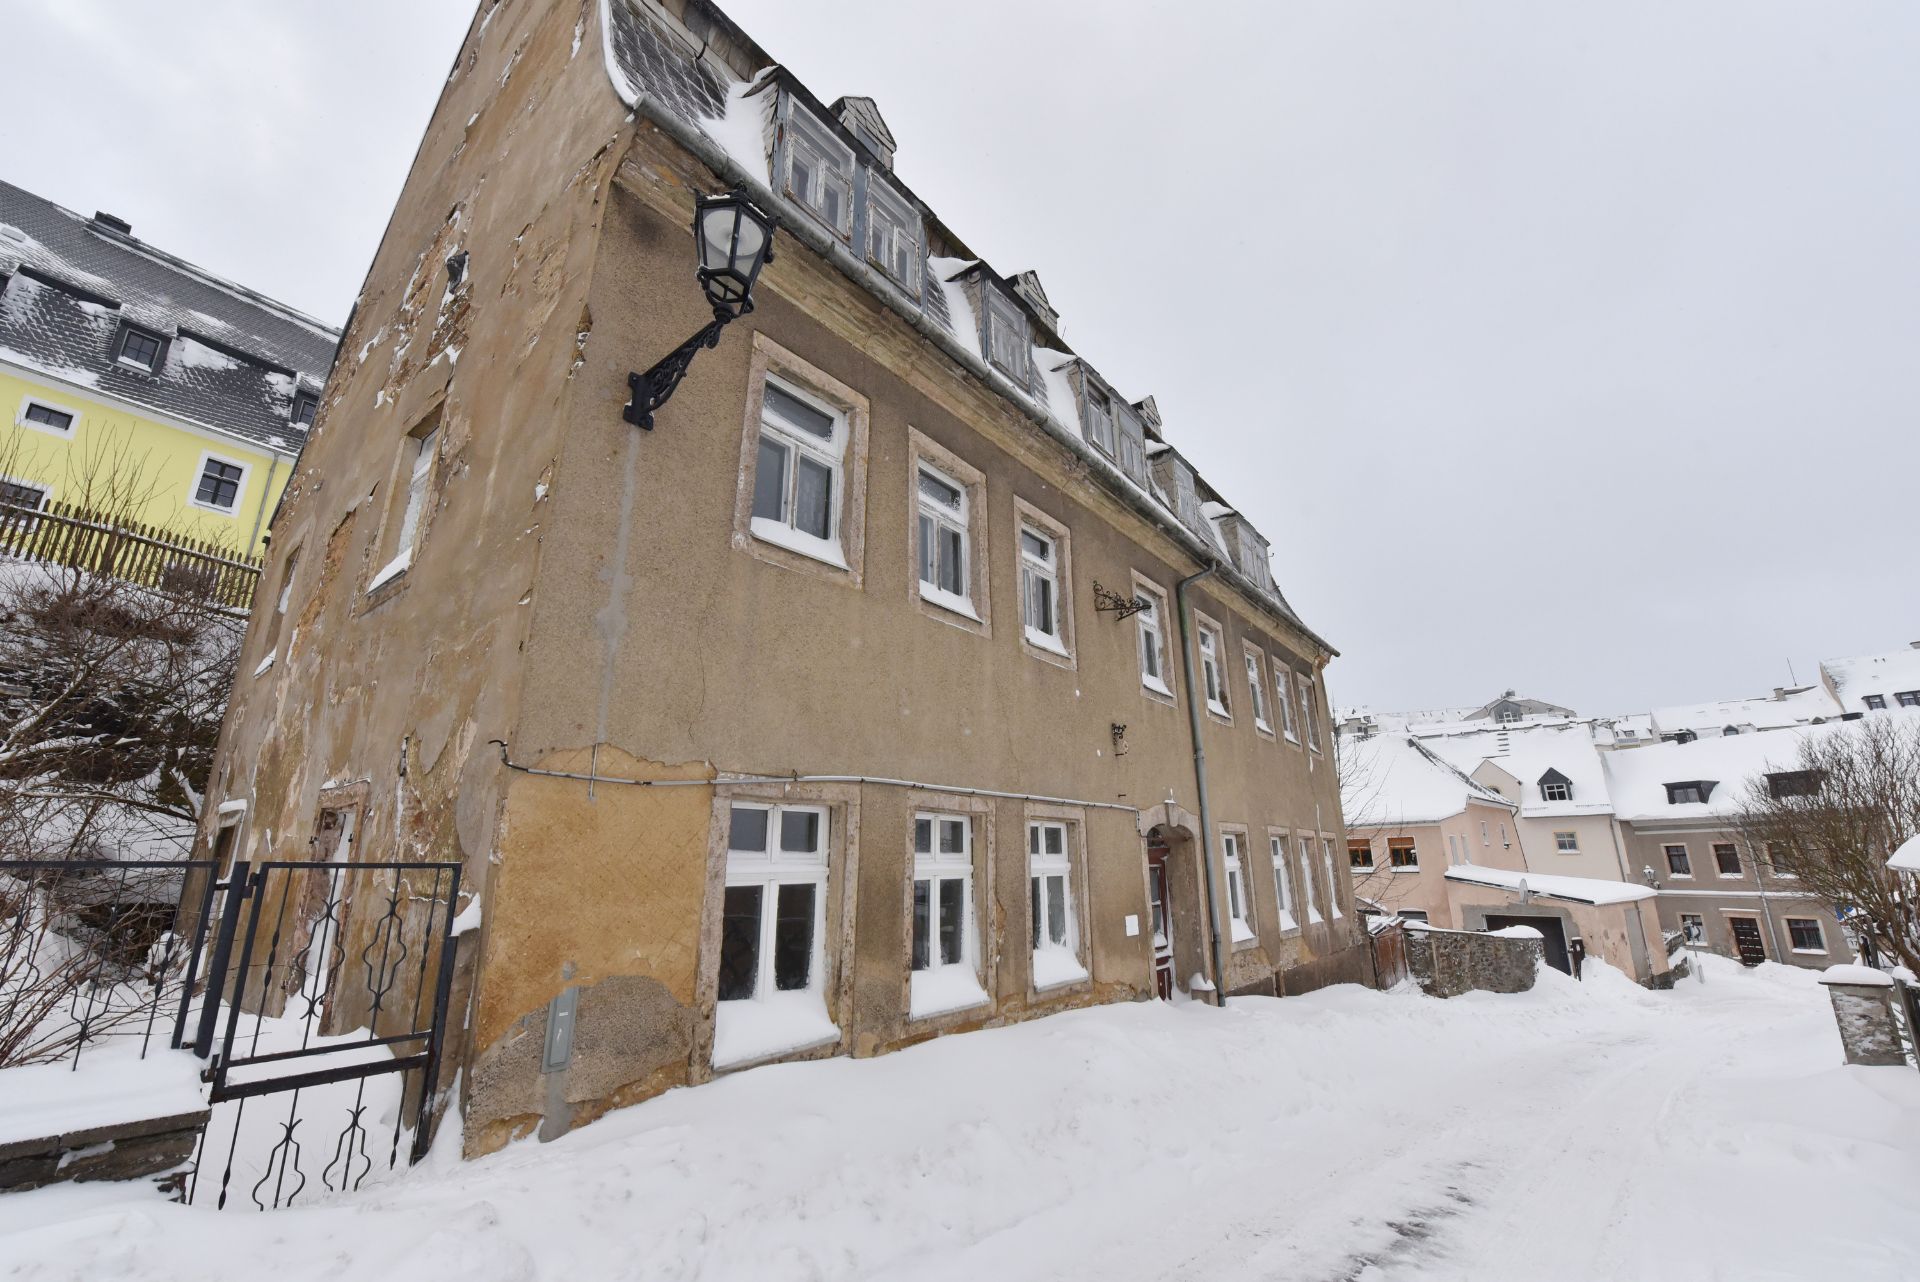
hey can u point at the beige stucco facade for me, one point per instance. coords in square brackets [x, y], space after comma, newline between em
[586, 599]
[1425, 889]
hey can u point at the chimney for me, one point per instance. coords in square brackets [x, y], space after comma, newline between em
[103, 219]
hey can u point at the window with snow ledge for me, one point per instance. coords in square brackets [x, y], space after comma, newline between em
[949, 535]
[1150, 625]
[1333, 882]
[1806, 936]
[1257, 691]
[1359, 854]
[1046, 594]
[1213, 667]
[46, 416]
[1306, 880]
[1403, 854]
[1309, 711]
[1239, 902]
[409, 508]
[800, 499]
[1679, 862]
[771, 992]
[1282, 881]
[945, 953]
[818, 169]
[1057, 956]
[1283, 686]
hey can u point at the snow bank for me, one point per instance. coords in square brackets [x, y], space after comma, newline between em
[1853, 973]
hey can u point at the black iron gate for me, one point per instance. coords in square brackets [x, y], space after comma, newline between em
[337, 1002]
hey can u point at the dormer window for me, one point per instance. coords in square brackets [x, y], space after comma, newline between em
[138, 348]
[1691, 793]
[1007, 343]
[819, 170]
[1100, 420]
[304, 406]
[1875, 702]
[1555, 786]
[893, 236]
[1793, 783]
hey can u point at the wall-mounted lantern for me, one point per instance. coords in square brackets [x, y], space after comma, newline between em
[735, 240]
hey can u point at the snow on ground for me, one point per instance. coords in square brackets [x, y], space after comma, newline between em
[1590, 1131]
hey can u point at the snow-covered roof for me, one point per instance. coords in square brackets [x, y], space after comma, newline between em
[1579, 890]
[234, 358]
[1391, 781]
[1527, 752]
[1886, 675]
[663, 70]
[1772, 712]
[1907, 857]
[1638, 779]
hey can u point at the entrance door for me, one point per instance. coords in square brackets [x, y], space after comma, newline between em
[1747, 943]
[1162, 914]
[1553, 938]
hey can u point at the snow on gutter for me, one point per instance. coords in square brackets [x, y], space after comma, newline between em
[802, 229]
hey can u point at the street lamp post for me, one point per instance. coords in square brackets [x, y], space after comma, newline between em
[735, 240]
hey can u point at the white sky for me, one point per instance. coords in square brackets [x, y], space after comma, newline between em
[1569, 348]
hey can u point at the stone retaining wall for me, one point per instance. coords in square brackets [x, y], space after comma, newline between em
[1446, 963]
[122, 1151]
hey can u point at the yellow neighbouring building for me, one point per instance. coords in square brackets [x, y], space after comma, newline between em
[124, 368]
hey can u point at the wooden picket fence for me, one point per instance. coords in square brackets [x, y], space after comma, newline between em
[62, 534]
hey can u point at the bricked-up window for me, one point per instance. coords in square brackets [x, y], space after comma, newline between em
[1282, 883]
[1359, 853]
[1726, 858]
[138, 347]
[1679, 863]
[1239, 903]
[945, 953]
[1402, 853]
[797, 473]
[219, 485]
[772, 920]
[1806, 935]
[819, 170]
[42, 415]
[893, 235]
[1213, 668]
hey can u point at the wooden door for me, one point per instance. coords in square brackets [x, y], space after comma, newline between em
[1747, 942]
[1161, 910]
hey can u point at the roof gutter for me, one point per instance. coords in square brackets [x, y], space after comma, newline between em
[731, 172]
[1200, 780]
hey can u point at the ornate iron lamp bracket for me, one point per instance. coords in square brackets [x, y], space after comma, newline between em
[1107, 601]
[651, 389]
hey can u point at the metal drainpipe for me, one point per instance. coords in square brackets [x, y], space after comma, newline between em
[260, 512]
[1200, 777]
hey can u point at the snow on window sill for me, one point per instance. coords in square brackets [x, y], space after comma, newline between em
[944, 990]
[1154, 684]
[1219, 709]
[1811, 952]
[266, 663]
[772, 1024]
[948, 601]
[1262, 726]
[391, 571]
[781, 535]
[1406, 868]
[1046, 641]
[1055, 968]
[1313, 917]
[1287, 923]
[1242, 933]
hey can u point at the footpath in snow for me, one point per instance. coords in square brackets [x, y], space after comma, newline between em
[1580, 1131]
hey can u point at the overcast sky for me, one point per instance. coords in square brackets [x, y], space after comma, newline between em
[1568, 348]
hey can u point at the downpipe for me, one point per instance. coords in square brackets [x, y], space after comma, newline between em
[1194, 726]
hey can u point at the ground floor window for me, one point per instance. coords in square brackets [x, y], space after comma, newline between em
[772, 931]
[1056, 942]
[1806, 935]
[1282, 884]
[1333, 882]
[945, 974]
[1306, 881]
[1678, 863]
[1694, 927]
[1239, 905]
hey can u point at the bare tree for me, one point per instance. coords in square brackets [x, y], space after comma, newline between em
[1833, 815]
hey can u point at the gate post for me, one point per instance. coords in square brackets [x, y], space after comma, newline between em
[237, 883]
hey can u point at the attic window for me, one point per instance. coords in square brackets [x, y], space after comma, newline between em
[1555, 786]
[1100, 420]
[1793, 783]
[304, 405]
[1007, 343]
[893, 236]
[138, 348]
[819, 170]
[1692, 793]
[1907, 698]
[1875, 702]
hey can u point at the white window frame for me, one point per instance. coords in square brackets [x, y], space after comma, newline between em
[799, 444]
[834, 159]
[1818, 930]
[1102, 432]
[1310, 714]
[1333, 880]
[770, 868]
[937, 867]
[1282, 881]
[1045, 867]
[46, 491]
[32, 399]
[1257, 690]
[422, 450]
[120, 356]
[1211, 641]
[933, 515]
[1306, 878]
[1239, 901]
[239, 490]
[841, 563]
[1283, 675]
[1008, 322]
[891, 220]
[1150, 629]
[1566, 843]
[1565, 791]
[1666, 853]
[1040, 576]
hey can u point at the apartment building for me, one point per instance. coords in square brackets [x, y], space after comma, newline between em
[855, 702]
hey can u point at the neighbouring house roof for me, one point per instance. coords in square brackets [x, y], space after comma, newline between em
[1579, 890]
[234, 358]
[667, 68]
[1907, 858]
[1639, 779]
[1883, 674]
[1788, 708]
[1526, 753]
[1391, 781]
